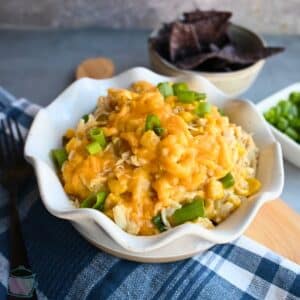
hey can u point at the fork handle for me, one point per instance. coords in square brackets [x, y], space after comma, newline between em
[18, 253]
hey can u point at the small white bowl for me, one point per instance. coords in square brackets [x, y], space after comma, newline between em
[180, 242]
[290, 149]
[233, 83]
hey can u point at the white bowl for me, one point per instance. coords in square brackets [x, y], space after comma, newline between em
[180, 242]
[233, 83]
[290, 149]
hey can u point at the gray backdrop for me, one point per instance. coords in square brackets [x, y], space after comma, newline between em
[267, 16]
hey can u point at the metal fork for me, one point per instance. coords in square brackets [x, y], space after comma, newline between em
[14, 172]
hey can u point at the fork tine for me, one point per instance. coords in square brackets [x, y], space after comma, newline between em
[2, 147]
[19, 134]
[13, 141]
[9, 142]
[5, 145]
[19, 140]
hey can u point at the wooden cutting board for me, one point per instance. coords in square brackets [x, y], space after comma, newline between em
[277, 227]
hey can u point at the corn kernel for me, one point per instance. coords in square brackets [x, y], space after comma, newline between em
[214, 190]
[254, 186]
[241, 150]
[187, 116]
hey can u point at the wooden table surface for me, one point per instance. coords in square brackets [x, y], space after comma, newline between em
[277, 227]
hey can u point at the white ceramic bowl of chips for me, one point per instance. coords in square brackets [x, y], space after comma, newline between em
[179, 242]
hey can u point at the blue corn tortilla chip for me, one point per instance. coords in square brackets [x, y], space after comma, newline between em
[200, 41]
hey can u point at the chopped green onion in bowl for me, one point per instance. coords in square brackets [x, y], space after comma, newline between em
[179, 86]
[97, 135]
[95, 201]
[202, 109]
[93, 148]
[153, 123]
[188, 212]
[165, 89]
[59, 156]
[285, 116]
[157, 221]
[186, 96]
[227, 181]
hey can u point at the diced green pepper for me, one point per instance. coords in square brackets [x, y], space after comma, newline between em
[97, 135]
[188, 212]
[165, 89]
[59, 156]
[94, 148]
[157, 221]
[227, 180]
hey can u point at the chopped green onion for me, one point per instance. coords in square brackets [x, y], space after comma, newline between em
[153, 123]
[94, 148]
[179, 86]
[97, 135]
[221, 112]
[295, 97]
[202, 109]
[88, 202]
[59, 156]
[292, 133]
[188, 212]
[285, 116]
[100, 199]
[282, 123]
[85, 118]
[159, 131]
[157, 221]
[95, 201]
[200, 96]
[165, 89]
[186, 96]
[295, 123]
[227, 181]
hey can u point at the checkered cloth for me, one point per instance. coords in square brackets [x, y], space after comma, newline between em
[68, 267]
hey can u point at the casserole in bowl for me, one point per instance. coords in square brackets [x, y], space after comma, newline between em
[81, 98]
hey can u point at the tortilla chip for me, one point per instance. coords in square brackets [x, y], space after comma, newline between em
[201, 41]
[229, 55]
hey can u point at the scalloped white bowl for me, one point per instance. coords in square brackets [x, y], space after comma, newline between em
[180, 242]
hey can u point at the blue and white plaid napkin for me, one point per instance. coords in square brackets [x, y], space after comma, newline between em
[68, 267]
